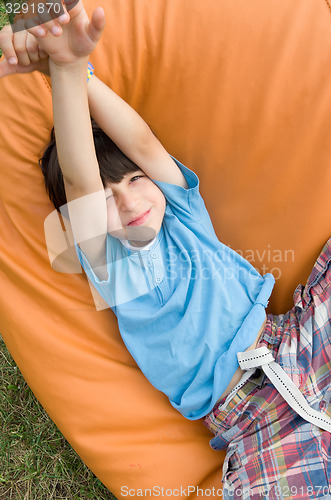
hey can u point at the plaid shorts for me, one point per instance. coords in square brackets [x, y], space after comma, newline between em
[272, 452]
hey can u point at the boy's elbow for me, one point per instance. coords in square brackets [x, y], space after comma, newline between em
[77, 188]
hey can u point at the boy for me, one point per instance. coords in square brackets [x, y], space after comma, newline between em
[193, 323]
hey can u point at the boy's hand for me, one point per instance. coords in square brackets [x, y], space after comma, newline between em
[78, 38]
[27, 51]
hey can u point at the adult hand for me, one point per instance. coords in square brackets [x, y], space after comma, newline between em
[28, 55]
[27, 50]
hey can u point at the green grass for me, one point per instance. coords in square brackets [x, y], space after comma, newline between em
[3, 17]
[36, 462]
[3, 14]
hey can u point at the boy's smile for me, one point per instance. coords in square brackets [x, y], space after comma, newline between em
[135, 208]
[140, 219]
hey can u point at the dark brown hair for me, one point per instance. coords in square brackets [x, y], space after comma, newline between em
[113, 165]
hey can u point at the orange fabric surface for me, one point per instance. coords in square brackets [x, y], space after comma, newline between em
[239, 92]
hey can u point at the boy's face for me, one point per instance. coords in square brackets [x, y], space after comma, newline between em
[135, 208]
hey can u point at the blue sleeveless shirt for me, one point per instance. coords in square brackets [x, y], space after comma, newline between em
[186, 304]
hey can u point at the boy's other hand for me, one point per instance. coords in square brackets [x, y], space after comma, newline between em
[77, 38]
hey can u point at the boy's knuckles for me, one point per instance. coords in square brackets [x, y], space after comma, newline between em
[20, 50]
[20, 43]
[33, 51]
[34, 58]
[24, 60]
[33, 31]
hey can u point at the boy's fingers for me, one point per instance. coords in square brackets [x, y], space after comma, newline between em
[49, 14]
[54, 18]
[97, 24]
[6, 44]
[73, 7]
[49, 24]
[35, 27]
[60, 13]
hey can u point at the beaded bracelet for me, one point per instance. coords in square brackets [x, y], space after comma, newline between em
[90, 71]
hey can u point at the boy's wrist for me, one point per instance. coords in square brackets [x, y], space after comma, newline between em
[80, 64]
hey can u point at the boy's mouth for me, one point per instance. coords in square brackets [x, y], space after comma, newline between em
[137, 221]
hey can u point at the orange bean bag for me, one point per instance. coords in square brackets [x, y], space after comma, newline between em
[239, 92]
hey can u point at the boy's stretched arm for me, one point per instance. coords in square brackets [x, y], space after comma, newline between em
[118, 120]
[74, 138]
[77, 158]
[131, 134]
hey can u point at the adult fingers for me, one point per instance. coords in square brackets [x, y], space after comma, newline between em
[32, 48]
[6, 44]
[9, 69]
[20, 48]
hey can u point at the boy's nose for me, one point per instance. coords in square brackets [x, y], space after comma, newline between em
[127, 202]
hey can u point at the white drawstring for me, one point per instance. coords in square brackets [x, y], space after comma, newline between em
[263, 358]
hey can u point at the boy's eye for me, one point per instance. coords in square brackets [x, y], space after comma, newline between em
[136, 177]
